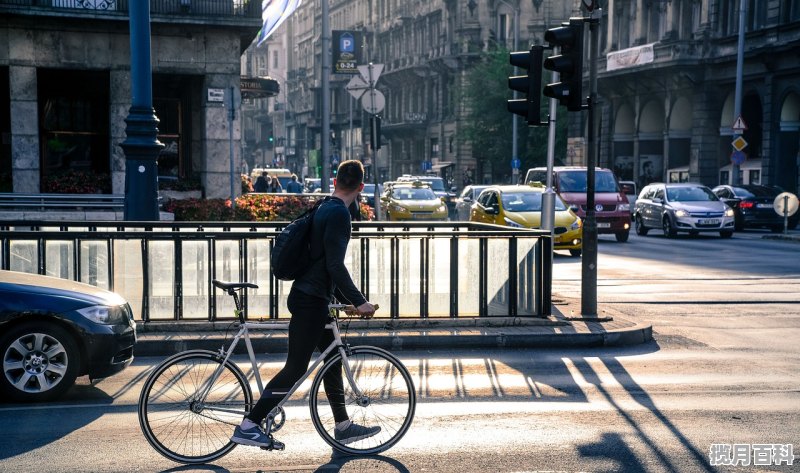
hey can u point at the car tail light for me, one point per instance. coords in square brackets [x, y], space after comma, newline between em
[746, 204]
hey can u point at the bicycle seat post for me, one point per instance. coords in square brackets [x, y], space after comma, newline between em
[238, 302]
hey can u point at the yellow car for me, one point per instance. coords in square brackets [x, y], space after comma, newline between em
[521, 207]
[413, 201]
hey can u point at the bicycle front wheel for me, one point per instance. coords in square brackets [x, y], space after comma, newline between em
[381, 396]
[179, 421]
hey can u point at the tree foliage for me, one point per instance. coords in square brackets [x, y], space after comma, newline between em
[489, 124]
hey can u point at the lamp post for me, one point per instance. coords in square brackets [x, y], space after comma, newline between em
[514, 171]
[141, 145]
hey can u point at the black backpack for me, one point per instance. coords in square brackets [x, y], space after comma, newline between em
[291, 253]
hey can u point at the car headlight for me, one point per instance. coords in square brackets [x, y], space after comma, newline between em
[396, 208]
[576, 225]
[681, 213]
[442, 208]
[512, 223]
[101, 314]
[729, 212]
[624, 207]
[574, 207]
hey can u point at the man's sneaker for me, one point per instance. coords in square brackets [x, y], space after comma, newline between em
[253, 436]
[354, 433]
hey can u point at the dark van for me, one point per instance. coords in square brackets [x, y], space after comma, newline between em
[612, 211]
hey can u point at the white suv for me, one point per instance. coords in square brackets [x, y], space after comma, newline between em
[686, 207]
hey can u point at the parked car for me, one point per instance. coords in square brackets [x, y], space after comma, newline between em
[413, 201]
[53, 330]
[521, 207]
[612, 211]
[753, 206]
[465, 200]
[684, 207]
[629, 188]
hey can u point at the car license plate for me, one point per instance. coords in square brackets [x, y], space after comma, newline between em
[764, 206]
[708, 221]
[603, 225]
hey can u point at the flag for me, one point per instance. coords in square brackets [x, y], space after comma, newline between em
[273, 13]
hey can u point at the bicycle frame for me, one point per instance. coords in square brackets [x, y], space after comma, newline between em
[244, 333]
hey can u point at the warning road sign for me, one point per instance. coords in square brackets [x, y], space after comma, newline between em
[739, 125]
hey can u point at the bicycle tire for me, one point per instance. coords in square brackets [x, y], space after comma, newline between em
[389, 394]
[172, 421]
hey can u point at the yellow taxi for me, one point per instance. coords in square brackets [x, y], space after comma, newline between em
[412, 201]
[521, 207]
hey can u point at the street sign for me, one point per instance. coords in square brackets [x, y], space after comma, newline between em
[515, 163]
[738, 157]
[373, 101]
[356, 87]
[786, 202]
[739, 125]
[739, 143]
[364, 70]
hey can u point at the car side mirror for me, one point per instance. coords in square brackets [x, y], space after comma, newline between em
[657, 200]
[467, 198]
[453, 189]
[493, 210]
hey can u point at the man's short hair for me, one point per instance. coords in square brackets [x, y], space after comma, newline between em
[294, 177]
[350, 175]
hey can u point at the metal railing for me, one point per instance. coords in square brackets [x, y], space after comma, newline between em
[14, 200]
[414, 269]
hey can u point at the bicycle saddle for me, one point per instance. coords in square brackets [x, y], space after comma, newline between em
[227, 286]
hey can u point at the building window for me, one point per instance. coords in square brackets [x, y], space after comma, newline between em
[274, 59]
[790, 10]
[73, 129]
[169, 133]
[756, 14]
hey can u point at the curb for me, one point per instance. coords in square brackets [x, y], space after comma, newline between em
[151, 344]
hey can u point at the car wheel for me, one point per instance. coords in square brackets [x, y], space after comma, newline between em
[641, 230]
[622, 237]
[575, 253]
[669, 229]
[726, 234]
[40, 362]
[776, 228]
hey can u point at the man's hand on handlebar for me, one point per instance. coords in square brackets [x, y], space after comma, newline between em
[364, 311]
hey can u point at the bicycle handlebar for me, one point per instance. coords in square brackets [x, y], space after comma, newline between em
[347, 308]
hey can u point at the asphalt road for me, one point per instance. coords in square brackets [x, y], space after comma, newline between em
[724, 369]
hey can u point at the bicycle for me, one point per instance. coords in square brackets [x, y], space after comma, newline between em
[191, 402]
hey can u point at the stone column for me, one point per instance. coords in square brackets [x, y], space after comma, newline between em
[25, 171]
[704, 158]
[215, 174]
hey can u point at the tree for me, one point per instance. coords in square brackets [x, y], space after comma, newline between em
[488, 123]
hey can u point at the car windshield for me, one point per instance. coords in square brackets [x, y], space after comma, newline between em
[411, 193]
[436, 184]
[575, 181]
[526, 202]
[754, 191]
[690, 194]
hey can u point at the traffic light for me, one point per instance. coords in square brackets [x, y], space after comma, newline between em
[568, 63]
[270, 141]
[530, 84]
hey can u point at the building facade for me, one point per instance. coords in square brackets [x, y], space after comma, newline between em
[667, 81]
[65, 90]
[426, 48]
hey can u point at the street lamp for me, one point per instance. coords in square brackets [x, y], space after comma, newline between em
[514, 171]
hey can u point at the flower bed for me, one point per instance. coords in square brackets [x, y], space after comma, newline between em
[249, 208]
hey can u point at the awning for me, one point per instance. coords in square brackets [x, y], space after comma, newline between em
[440, 166]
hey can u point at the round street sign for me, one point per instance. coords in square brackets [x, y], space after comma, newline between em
[738, 157]
[373, 101]
[785, 201]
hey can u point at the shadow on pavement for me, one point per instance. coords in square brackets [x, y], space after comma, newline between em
[637, 393]
[31, 430]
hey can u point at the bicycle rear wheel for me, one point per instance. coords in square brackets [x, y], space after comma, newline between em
[180, 425]
[387, 400]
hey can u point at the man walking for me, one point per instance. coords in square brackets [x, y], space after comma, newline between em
[308, 303]
[294, 187]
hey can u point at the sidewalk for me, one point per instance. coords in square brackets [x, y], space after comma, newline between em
[565, 328]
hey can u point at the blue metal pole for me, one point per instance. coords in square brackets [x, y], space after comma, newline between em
[141, 145]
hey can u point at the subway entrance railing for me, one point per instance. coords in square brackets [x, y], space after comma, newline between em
[412, 269]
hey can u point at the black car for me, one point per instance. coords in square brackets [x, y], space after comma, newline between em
[753, 205]
[53, 330]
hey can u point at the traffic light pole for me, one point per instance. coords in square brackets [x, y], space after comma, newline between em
[589, 259]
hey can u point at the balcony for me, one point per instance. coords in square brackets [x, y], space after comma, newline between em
[180, 11]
